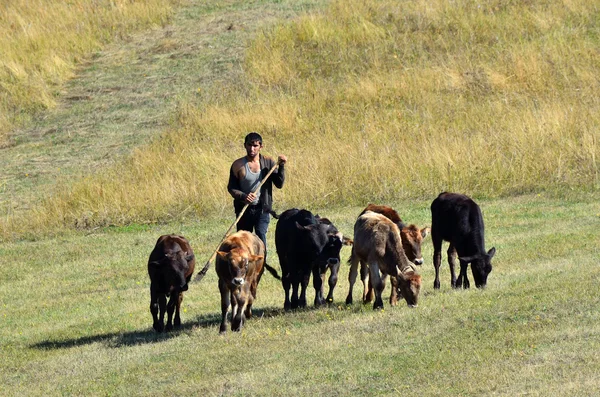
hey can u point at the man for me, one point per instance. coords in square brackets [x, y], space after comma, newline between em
[244, 177]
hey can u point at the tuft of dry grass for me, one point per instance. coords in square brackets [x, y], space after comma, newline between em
[43, 41]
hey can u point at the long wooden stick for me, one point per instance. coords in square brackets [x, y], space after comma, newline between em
[202, 272]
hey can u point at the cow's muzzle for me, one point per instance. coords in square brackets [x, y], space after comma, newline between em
[332, 261]
[418, 261]
[238, 281]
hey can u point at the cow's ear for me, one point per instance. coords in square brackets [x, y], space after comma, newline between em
[256, 258]
[347, 241]
[492, 252]
[300, 227]
[425, 232]
[469, 259]
[408, 272]
[222, 255]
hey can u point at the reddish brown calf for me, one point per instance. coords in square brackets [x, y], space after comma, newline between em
[239, 265]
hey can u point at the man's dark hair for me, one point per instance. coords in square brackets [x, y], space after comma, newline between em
[253, 137]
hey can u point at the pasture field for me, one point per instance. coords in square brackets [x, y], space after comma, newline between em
[388, 102]
[76, 321]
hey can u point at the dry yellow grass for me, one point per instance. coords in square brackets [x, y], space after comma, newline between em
[379, 101]
[43, 41]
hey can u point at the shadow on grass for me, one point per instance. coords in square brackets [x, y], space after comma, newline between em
[133, 338]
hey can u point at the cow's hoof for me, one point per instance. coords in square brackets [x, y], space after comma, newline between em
[349, 300]
[169, 328]
[158, 327]
[329, 300]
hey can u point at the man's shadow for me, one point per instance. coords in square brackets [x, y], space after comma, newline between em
[133, 338]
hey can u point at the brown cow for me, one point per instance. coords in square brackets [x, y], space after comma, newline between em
[378, 245]
[170, 268]
[412, 239]
[239, 265]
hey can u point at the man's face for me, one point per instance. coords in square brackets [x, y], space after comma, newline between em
[253, 148]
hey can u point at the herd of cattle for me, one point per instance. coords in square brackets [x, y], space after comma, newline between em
[383, 245]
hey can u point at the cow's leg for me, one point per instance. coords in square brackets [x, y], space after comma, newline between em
[162, 307]
[368, 292]
[463, 279]
[303, 287]
[318, 285]
[154, 297]
[171, 309]
[225, 302]
[333, 278]
[352, 276]
[239, 301]
[285, 281]
[177, 319]
[295, 287]
[377, 284]
[394, 293]
[251, 298]
[437, 259]
[452, 263]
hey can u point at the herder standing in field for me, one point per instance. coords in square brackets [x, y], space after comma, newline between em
[245, 176]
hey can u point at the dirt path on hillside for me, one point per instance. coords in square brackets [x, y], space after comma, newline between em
[129, 92]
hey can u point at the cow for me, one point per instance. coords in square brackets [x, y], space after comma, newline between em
[457, 219]
[307, 243]
[239, 265]
[170, 268]
[378, 248]
[412, 238]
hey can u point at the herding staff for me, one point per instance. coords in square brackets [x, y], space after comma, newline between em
[202, 272]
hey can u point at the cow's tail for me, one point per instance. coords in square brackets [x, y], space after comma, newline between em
[273, 214]
[272, 271]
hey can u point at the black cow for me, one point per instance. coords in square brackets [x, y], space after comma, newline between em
[306, 244]
[170, 268]
[457, 219]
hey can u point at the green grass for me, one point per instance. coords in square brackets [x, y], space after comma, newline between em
[75, 318]
[386, 102]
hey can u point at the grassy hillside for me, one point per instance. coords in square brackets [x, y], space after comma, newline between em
[375, 101]
[44, 41]
[76, 321]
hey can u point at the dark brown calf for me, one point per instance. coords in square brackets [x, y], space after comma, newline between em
[239, 265]
[170, 268]
[378, 248]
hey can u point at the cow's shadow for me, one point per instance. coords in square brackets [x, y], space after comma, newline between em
[133, 338]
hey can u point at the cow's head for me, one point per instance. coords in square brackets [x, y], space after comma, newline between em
[175, 266]
[239, 260]
[412, 238]
[324, 241]
[481, 266]
[409, 284]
